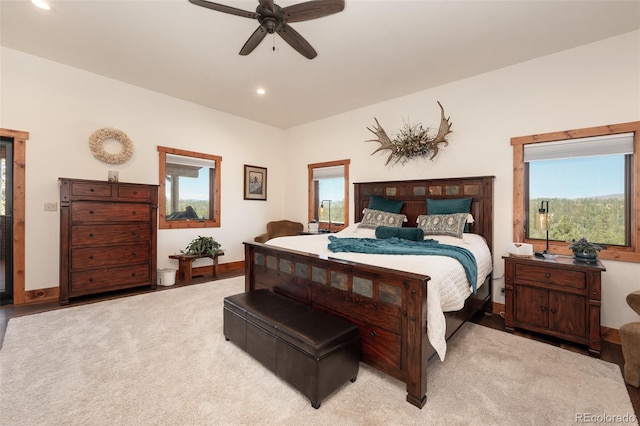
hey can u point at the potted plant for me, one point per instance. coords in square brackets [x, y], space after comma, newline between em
[584, 251]
[202, 246]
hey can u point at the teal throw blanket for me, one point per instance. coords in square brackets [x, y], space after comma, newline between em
[401, 246]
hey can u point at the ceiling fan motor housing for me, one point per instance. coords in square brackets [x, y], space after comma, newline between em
[271, 20]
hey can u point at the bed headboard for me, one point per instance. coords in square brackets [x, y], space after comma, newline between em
[414, 193]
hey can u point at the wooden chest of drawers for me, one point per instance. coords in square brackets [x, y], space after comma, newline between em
[107, 236]
[558, 297]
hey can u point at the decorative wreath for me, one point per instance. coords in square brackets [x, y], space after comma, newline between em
[99, 136]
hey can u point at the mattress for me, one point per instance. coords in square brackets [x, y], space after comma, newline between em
[448, 287]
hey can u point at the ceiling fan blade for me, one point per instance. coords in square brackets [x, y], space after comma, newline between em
[255, 39]
[225, 9]
[311, 10]
[296, 41]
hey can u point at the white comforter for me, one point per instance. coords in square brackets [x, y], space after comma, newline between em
[448, 287]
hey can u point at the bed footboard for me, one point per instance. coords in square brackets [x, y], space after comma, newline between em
[388, 306]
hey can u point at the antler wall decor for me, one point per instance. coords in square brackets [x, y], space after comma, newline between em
[412, 140]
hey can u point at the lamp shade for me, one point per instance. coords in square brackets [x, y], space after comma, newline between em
[542, 220]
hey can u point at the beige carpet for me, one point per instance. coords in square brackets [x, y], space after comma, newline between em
[161, 359]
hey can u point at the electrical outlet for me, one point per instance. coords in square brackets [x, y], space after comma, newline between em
[50, 206]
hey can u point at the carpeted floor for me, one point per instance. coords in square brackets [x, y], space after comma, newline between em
[161, 359]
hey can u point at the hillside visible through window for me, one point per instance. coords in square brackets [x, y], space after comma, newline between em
[331, 189]
[587, 198]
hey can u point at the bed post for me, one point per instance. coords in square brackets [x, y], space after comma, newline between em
[414, 318]
[248, 268]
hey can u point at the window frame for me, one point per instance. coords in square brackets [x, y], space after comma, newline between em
[214, 199]
[626, 254]
[311, 214]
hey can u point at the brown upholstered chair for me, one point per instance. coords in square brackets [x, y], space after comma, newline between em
[280, 228]
[630, 339]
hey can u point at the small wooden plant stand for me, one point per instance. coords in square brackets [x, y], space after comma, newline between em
[185, 264]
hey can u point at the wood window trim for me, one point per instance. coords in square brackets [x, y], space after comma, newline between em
[311, 202]
[625, 254]
[162, 199]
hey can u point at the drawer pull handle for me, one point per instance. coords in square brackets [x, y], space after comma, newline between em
[133, 212]
[90, 280]
[134, 233]
[554, 310]
[135, 192]
[90, 211]
[92, 190]
[91, 235]
[543, 308]
[133, 274]
[91, 257]
[373, 333]
[547, 275]
[133, 253]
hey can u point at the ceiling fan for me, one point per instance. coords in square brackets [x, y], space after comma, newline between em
[276, 19]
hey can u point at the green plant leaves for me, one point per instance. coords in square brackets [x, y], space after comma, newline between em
[202, 246]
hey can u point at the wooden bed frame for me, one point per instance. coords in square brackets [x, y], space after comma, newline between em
[388, 306]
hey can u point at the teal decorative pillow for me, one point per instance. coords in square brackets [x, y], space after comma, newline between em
[373, 218]
[413, 234]
[385, 204]
[450, 205]
[443, 224]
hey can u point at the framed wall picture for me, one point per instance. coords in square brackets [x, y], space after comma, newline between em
[255, 183]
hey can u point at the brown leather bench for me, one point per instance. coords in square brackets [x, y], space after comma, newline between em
[313, 351]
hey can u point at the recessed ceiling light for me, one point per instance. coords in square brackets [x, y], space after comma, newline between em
[261, 91]
[41, 4]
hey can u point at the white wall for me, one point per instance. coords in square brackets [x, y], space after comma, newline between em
[62, 106]
[589, 86]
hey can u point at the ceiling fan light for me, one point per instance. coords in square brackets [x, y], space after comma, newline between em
[41, 4]
[261, 91]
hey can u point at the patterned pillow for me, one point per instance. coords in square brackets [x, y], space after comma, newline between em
[443, 224]
[450, 205]
[374, 218]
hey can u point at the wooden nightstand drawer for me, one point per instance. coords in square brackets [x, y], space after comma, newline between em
[546, 275]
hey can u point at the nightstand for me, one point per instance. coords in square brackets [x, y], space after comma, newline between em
[558, 297]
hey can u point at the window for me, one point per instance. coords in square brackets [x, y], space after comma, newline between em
[189, 189]
[586, 180]
[329, 194]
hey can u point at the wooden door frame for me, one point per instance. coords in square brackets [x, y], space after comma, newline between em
[19, 157]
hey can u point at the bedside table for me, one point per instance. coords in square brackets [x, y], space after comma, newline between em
[558, 297]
